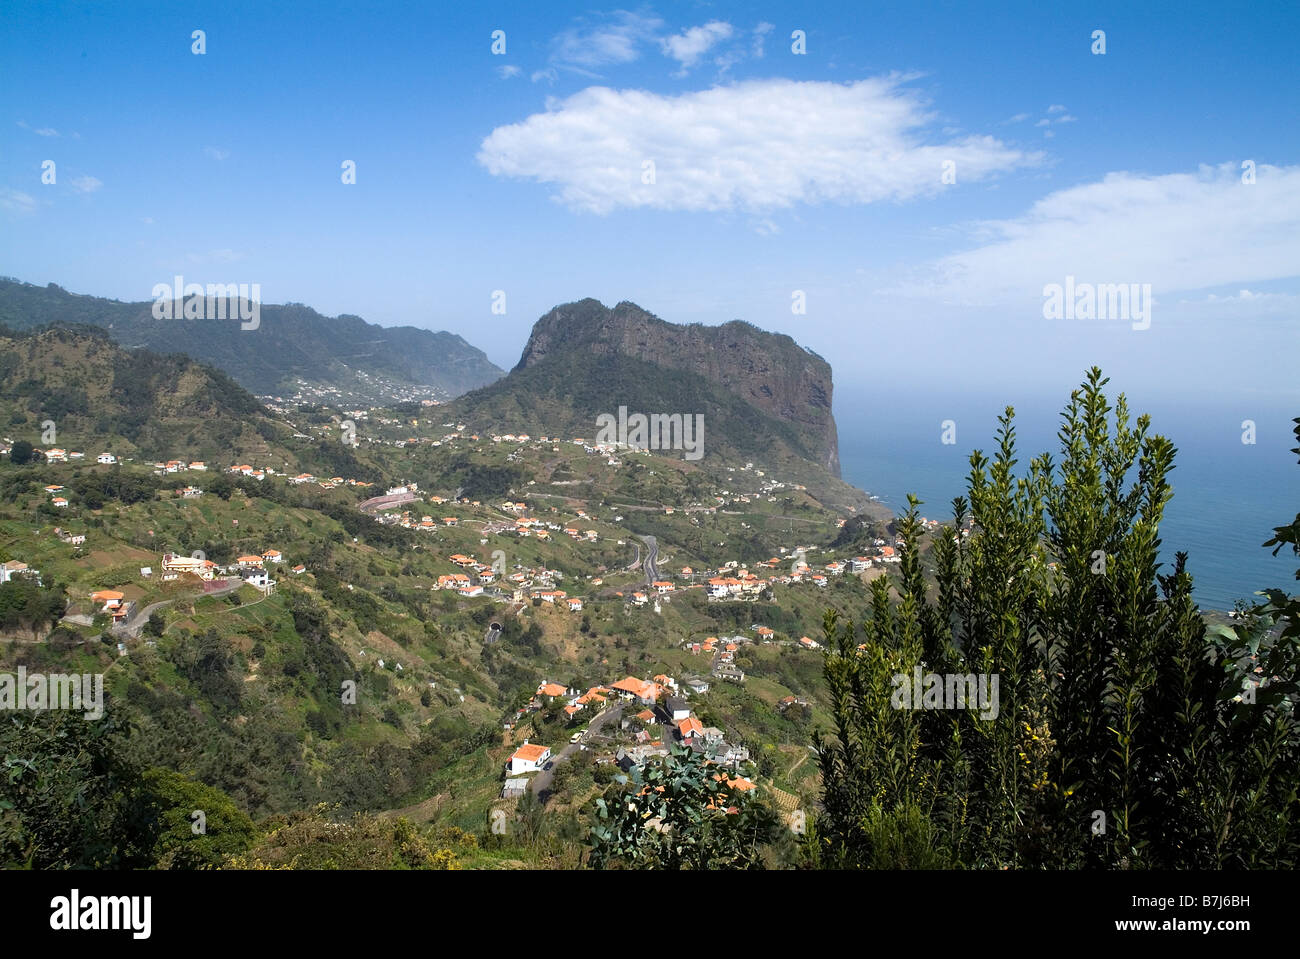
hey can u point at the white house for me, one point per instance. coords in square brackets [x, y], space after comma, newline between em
[173, 565]
[106, 459]
[677, 709]
[529, 758]
[15, 568]
[260, 579]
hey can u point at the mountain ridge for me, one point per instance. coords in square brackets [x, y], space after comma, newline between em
[292, 345]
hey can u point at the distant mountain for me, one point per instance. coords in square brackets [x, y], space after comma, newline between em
[293, 351]
[769, 372]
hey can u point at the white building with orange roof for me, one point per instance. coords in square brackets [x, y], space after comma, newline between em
[114, 603]
[173, 566]
[528, 758]
[689, 728]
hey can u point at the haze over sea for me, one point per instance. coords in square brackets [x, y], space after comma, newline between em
[1228, 496]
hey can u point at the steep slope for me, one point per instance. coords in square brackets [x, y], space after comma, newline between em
[769, 371]
[135, 403]
[292, 343]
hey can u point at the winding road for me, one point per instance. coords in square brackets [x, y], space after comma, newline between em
[541, 783]
[652, 553]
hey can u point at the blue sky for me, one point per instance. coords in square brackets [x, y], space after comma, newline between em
[774, 172]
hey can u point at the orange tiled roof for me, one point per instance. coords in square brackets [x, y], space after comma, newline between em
[530, 752]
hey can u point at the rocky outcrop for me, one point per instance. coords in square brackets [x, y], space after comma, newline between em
[770, 371]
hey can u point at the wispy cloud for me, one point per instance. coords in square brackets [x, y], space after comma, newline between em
[1056, 114]
[754, 146]
[86, 184]
[1176, 231]
[615, 38]
[217, 153]
[224, 255]
[600, 41]
[16, 201]
[39, 131]
[509, 71]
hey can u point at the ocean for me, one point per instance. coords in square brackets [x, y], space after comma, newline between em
[1228, 495]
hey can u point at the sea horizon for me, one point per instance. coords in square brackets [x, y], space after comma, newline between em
[891, 445]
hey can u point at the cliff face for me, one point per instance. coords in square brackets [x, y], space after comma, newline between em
[770, 371]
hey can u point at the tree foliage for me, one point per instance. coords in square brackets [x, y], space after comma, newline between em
[1127, 736]
[681, 813]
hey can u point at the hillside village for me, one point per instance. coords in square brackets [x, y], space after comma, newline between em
[665, 718]
[733, 580]
[555, 548]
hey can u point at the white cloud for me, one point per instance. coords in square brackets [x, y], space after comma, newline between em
[688, 46]
[1177, 231]
[41, 131]
[217, 153]
[508, 71]
[1281, 306]
[760, 34]
[16, 201]
[583, 48]
[1018, 118]
[754, 146]
[86, 184]
[1056, 108]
